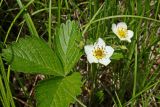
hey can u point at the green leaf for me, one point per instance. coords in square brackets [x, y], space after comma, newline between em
[100, 96]
[58, 91]
[67, 40]
[33, 55]
[117, 56]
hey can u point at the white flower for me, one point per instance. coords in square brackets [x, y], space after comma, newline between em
[99, 52]
[121, 31]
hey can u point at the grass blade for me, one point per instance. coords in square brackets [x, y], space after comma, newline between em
[17, 16]
[50, 23]
[28, 20]
[6, 82]
[4, 99]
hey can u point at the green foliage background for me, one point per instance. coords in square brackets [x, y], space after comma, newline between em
[131, 79]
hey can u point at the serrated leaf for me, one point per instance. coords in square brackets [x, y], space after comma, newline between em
[58, 91]
[117, 56]
[67, 40]
[33, 55]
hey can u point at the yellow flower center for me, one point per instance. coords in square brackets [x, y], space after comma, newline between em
[99, 53]
[122, 32]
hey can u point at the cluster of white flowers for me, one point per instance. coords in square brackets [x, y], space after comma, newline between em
[99, 52]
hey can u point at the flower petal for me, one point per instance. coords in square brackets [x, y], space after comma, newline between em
[125, 39]
[114, 28]
[122, 39]
[88, 49]
[130, 34]
[122, 25]
[129, 40]
[105, 61]
[99, 43]
[109, 51]
[91, 59]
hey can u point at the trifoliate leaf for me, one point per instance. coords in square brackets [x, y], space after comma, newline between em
[58, 91]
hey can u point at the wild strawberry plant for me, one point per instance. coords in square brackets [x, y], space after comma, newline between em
[116, 45]
[33, 55]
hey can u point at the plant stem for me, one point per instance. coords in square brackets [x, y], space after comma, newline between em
[119, 102]
[59, 12]
[115, 16]
[91, 21]
[28, 20]
[6, 82]
[4, 98]
[156, 13]
[50, 23]
[135, 73]
[10, 27]
[135, 64]
[131, 16]
[93, 85]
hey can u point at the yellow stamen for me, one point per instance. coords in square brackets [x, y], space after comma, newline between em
[99, 53]
[122, 32]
